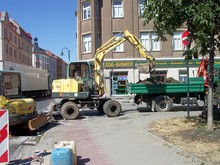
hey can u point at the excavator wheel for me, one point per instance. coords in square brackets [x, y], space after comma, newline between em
[69, 111]
[112, 108]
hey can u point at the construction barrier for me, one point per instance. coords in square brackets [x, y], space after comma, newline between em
[4, 137]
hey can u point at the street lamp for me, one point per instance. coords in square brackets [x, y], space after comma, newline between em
[62, 54]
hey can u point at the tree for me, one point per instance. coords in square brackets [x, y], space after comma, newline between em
[200, 17]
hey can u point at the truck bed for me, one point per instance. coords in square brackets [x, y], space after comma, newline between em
[195, 85]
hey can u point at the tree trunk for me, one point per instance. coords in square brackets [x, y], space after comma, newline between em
[210, 88]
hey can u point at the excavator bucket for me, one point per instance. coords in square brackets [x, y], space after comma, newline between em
[38, 122]
[145, 67]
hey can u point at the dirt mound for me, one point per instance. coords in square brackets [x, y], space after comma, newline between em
[150, 80]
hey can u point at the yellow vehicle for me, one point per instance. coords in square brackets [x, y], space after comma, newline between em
[85, 84]
[21, 111]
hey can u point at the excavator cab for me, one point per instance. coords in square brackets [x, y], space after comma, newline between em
[80, 83]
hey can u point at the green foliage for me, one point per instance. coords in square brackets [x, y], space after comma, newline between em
[200, 17]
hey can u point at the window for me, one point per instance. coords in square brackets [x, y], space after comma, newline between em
[86, 10]
[183, 75]
[177, 43]
[7, 49]
[117, 8]
[149, 41]
[15, 54]
[10, 36]
[10, 51]
[6, 33]
[145, 39]
[15, 40]
[87, 43]
[119, 48]
[155, 44]
[141, 7]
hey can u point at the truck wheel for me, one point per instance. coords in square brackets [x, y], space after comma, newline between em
[69, 111]
[163, 103]
[112, 108]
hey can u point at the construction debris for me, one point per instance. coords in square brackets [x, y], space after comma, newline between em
[151, 80]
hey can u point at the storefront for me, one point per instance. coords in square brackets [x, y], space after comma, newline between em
[119, 83]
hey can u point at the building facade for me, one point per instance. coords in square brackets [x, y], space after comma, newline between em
[99, 20]
[15, 43]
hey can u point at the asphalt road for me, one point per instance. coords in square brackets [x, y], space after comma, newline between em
[100, 140]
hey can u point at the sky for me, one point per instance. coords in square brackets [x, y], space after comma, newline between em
[53, 22]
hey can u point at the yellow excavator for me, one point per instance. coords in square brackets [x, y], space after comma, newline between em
[22, 111]
[84, 87]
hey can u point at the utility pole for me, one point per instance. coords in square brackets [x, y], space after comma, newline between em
[210, 87]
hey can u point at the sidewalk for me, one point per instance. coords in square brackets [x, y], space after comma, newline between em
[86, 149]
[114, 141]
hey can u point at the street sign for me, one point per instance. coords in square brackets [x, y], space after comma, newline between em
[4, 138]
[185, 39]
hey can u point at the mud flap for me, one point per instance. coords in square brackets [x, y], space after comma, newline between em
[153, 105]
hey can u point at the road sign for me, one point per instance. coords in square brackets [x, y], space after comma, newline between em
[4, 139]
[185, 39]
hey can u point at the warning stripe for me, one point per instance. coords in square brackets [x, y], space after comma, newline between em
[4, 140]
[3, 119]
[1, 113]
[4, 157]
[3, 133]
[4, 151]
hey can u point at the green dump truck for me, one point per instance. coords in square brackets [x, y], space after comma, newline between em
[161, 97]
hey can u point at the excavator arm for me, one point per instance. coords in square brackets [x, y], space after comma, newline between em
[110, 45]
[203, 69]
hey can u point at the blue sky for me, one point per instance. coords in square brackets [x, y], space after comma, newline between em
[53, 22]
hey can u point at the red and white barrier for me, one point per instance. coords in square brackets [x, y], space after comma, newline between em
[4, 137]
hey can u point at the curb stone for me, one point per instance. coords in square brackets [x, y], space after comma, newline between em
[187, 154]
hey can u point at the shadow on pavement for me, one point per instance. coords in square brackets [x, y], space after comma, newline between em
[24, 131]
[184, 108]
[174, 109]
[82, 161]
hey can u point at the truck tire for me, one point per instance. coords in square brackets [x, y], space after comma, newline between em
[69, 111]
[163, 103]
[112, 108]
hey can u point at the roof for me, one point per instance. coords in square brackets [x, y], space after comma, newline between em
[4, 17]
[36, 48]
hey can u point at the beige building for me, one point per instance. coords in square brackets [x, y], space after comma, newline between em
[100, 20]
